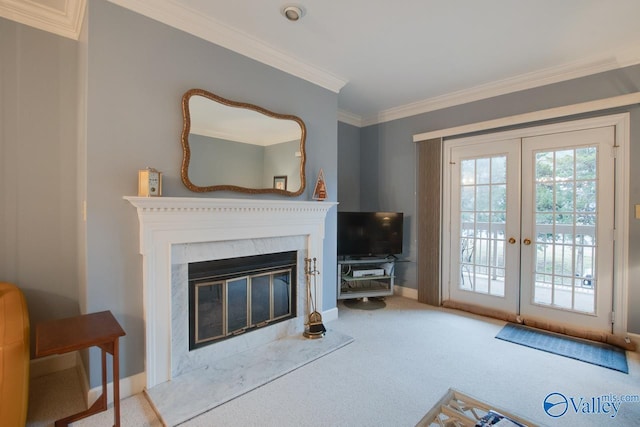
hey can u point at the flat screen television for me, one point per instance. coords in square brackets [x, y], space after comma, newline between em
[369, 233]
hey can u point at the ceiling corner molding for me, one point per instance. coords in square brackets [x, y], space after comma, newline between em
[629, 56]
[622, 58]
[65, 21]
[349, 118]
[190, 21]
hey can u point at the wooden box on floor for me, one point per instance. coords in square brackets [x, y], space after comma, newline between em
[457, 409]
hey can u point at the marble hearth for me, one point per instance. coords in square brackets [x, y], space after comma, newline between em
[176, 231]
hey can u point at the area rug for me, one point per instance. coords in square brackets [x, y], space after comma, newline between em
[596, 353]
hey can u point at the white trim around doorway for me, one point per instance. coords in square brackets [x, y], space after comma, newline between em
[621, 122]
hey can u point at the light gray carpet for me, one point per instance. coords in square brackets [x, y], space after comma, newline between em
[403, 359]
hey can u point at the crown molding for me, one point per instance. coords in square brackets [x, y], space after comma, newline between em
[65, 22]
[189, 20]
[349, 118]
[620, 59]
[535, 116]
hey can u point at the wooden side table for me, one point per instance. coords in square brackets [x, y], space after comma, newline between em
[76, 333]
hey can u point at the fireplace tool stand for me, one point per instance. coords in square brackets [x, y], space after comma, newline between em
[315, 328]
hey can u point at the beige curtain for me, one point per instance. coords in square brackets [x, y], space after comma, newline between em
[429, 209]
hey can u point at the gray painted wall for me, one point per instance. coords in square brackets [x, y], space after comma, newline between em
[90, 114]
[138, 71]
[388, 184]
[388, 181]
[365, 166]
[39, 213]
[348, 167]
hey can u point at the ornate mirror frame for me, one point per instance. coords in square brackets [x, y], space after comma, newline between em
[186, 150]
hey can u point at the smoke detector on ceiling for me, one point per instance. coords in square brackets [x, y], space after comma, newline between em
[292, 13]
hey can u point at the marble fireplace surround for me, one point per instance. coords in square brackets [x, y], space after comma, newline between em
[176, 230]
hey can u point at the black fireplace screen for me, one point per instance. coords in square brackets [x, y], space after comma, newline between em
[232, 296]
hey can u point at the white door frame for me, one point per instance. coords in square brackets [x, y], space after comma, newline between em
[621, 122]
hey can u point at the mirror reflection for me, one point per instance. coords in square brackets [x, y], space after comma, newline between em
[240, 147]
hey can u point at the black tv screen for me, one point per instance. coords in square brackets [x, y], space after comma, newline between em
[369, 233]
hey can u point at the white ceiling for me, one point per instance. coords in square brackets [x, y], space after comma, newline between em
[390, 59]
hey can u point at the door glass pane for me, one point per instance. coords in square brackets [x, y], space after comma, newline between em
[498, 245]
[585, 168]
[564, 165]
[483, 202]
[565, 242]
[483, 171]
[468, 173]
[498, 198]
[483, 194]
[467, 198]
[499, 170]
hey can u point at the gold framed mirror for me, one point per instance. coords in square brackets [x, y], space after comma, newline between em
[236, 146]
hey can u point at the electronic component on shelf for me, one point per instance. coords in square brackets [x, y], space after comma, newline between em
[368, 272]
[365, 277]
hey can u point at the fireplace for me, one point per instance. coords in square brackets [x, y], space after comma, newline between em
[229, 297]
[175, 232]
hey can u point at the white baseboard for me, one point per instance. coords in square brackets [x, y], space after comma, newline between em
[51, 364]
[635, 338]
[128, 387]
[329, 315]
[405, 292]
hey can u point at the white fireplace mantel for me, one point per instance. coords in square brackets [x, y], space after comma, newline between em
[168, 221]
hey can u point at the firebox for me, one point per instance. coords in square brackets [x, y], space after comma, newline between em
[229, 297]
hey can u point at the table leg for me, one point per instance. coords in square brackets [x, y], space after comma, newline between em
[98, 406]
[104, 377]
[101, 403]
[116, 384]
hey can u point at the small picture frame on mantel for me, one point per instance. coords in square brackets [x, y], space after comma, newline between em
[280, 182]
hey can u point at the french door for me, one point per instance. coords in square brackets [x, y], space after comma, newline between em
[485, 224]
[531, 226]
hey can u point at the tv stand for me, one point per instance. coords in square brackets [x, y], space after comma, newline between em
[365, 277]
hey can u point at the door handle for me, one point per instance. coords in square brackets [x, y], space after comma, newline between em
[527, 242]
[512, 240]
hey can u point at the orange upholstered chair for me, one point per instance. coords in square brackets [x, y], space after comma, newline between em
[14, 356]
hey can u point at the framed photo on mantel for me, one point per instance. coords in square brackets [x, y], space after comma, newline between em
[280, 182]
